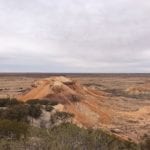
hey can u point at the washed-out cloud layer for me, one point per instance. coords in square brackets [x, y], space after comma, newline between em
[75, 36]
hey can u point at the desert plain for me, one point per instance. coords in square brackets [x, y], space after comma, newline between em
[122, 100]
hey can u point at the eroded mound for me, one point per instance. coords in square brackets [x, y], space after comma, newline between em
[91, 107]
[59, 89]
[77, 99]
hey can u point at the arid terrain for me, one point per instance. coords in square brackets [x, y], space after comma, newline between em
[117, 103]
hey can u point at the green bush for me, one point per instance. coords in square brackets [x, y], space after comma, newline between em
[70, 137]
[13, 129]
[35, 111]
[16, 112]
[21, 112]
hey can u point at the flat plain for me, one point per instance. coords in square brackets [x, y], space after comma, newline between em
[126, 97]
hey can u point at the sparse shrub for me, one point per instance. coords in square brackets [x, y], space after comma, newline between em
[35, 111]
[33, 101]
[61, 117]
[64, 115]
[20, 111]
[8, 101]
[69, 136]
[16, 112]
[15, 102]
[122, 93]
[42, 102]
[49, 108]
[4, 102]
[53, 102]
[47, 102]
[13, 129]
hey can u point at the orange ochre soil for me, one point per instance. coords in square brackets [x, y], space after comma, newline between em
[92, 108]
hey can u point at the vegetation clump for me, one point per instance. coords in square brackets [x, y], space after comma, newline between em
[14, 125]
[61, 117]
[49, 108]
[21, 112]
[16, 112]
[42, 102]
[5, 102]
[35, 111]
[13, 129]
[70, 137]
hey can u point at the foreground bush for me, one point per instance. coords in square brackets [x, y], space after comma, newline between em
[35, 111]
[16, 112]
[70, 137]
[21, 112]
[13, 129]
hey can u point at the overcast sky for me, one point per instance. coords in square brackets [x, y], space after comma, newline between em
[75, 36]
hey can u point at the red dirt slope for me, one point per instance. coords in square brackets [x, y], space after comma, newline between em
[79, 100]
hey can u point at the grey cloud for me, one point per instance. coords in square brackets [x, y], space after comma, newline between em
[75, 35]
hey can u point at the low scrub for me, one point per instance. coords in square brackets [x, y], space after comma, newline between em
[69, 137]
[16, 112]
[21, 112]
[42, 102]
[49, 108]
[121, 93]
[13, 129]
[5, 102]
[34, 111]
[61, 117]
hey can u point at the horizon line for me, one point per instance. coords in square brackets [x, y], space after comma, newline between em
[74, 72]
